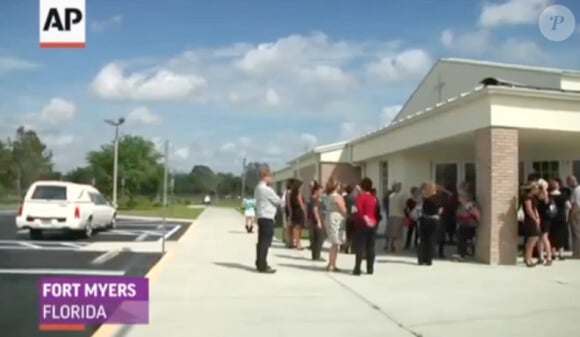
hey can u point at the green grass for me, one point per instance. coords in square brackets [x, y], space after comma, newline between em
[9, 206]
[232, 203]
[173, 211]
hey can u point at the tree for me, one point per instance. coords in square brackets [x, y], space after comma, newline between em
[228, 184]
[183, 184]
[203, 179]
[6, 177]
[5, 164]
[30, 158]
[81, 175]
[140, 170]
[252, 175]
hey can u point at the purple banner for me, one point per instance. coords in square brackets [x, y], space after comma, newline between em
[94, 300]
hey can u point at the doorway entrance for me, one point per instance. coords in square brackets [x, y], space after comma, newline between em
[446, 175]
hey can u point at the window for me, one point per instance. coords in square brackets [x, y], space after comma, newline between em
[547, 169]
[97, 199]
[446, 175]
[576, 168]
[470, 175]
[49, 192]
[385, 177]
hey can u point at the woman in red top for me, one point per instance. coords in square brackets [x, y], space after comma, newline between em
[366, 227]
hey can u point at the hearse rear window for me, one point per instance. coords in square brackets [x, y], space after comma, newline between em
[49, 192]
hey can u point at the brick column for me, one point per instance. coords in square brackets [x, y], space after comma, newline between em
[496, 151]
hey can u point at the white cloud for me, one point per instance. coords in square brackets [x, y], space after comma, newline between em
[182, 153]
[512, 12]
[388, 113]
[11, 64]
[58, 110]
[272, 97]
[58, 140]
[521, 50]
[229, 147]
[99, 26]
[309, 140]
[142, 115]
[163, 85]
[406, 65]
[294, 76]
[471, 42]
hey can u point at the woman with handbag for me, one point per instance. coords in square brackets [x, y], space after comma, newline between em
[468, 217]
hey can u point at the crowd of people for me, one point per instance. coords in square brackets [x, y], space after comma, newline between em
[549, 219]
[427, 218]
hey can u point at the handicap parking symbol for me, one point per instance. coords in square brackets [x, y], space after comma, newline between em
[557, 23]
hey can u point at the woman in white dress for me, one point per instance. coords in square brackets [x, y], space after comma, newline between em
[334, 222]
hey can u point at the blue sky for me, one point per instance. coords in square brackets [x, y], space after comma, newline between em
[258, 78]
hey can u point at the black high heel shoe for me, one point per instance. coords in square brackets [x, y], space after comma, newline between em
[530, 264]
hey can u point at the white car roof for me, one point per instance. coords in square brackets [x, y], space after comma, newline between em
[65, 184]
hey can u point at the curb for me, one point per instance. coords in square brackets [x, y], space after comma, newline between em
[136, 217]
[111, 330]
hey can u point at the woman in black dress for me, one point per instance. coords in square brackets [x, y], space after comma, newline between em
[546, 210]
[297, 214]
[316, 218]
[428, 224]
[559, 227]
[531, 225]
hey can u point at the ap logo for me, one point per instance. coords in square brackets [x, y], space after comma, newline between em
[62, 23]
[557, 23]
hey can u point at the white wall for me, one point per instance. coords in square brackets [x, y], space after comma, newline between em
[373, 171]
[335, 156]
[467, 114]
[542, 113]
[463, 77]
[283, 174]
[570, 83]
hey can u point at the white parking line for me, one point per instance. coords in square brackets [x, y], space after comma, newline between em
[73, 245]
[170, 233]
[30, 245]
[142, 237]
[41, 248]
[118, 232]
[106, 256]
[62, 271]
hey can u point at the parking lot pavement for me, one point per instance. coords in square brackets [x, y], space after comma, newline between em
[126, 230]
[23, 262]
[20, 271]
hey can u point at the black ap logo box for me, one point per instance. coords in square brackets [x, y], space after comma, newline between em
[62, 23]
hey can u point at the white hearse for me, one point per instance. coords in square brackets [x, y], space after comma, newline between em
[64, 206]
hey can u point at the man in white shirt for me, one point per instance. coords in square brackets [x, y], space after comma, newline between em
[267, 203]
[575, 216]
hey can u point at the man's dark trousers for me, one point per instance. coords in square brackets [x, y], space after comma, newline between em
[265, 235]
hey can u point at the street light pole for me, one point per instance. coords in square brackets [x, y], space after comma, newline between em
[165, 182]
[116, 124]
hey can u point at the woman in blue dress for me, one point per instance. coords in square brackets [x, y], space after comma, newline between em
[249, 206]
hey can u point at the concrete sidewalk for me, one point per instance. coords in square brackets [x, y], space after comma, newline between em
[210, 289]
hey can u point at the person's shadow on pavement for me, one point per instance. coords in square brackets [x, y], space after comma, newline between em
[239, 266]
